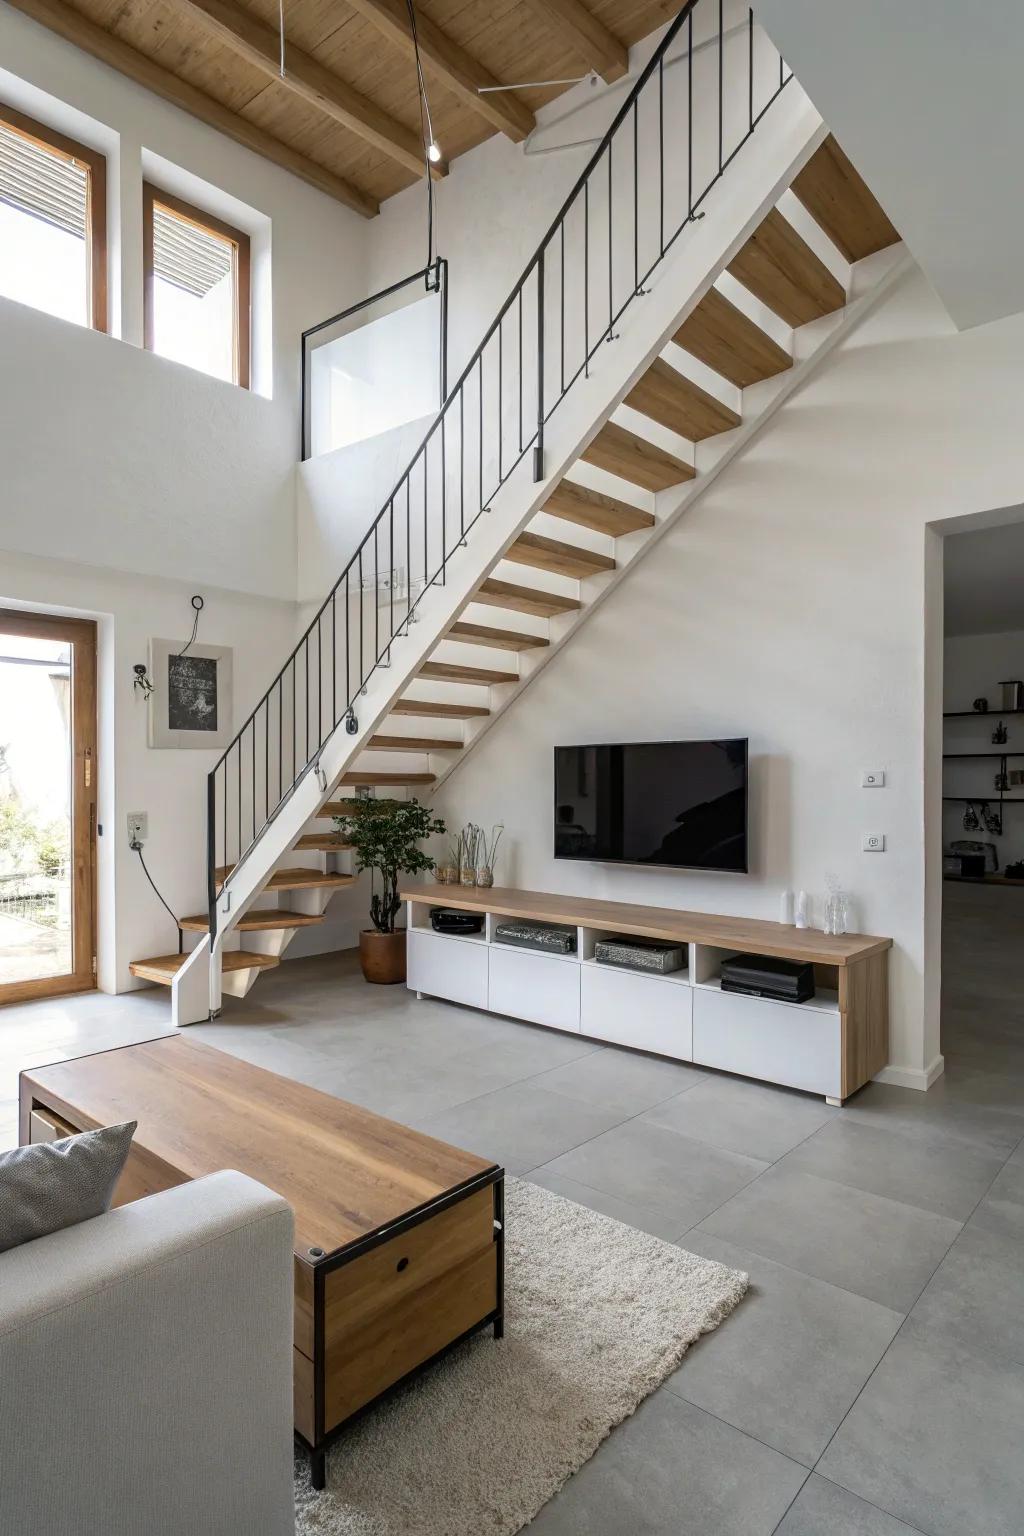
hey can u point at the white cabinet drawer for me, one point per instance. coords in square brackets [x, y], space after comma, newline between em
[447, 967]
[649, 1013]
[780, 1042]
[541, 988]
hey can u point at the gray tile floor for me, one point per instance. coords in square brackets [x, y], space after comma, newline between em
[872, 1381]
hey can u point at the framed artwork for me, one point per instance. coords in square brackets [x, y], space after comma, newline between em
[191, 704]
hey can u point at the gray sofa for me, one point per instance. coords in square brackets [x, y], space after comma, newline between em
[146, 1370]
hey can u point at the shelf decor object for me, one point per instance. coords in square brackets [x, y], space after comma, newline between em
[832, 1044]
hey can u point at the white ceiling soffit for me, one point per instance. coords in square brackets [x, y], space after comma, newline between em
[985, 580]
[925, 97]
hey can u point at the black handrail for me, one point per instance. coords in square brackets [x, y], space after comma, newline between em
[541, 341]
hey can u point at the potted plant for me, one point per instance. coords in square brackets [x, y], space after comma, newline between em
[385, 836]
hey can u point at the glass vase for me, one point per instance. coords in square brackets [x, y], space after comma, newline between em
[467, 875]
[485, 876]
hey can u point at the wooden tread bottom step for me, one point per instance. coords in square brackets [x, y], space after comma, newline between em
[259, 920]
[163, 968]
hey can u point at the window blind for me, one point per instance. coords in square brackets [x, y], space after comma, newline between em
[39, 182]
[191, 258]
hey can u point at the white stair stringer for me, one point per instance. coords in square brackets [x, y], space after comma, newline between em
[733, 209]
[872, 280]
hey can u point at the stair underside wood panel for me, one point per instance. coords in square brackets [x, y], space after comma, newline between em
[452, 672]
[164, 968]
[296, 879]
[837, 198]
[258, 920]
[633, 458]
[552, 555]
[321, 842]
[592, 509]
[396, 780]
[413, 744]
[669, 397]
[781, 270]
[496, 639]
[506, 594]
[428, 709]
[723, 337]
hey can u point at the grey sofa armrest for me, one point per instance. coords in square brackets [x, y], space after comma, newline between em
[146, 1369]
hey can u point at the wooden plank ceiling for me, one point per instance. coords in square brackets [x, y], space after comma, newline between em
[346, 118]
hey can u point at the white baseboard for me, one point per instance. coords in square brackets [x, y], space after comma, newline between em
[911, 1077]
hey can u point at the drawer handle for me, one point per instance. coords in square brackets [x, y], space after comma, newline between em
[402, 1264]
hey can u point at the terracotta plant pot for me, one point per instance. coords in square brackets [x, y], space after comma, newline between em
[382, 956]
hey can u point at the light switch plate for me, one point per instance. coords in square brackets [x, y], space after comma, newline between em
[873, 842]
[872, 778]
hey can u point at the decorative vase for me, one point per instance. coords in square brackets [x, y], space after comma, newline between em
[485, 876]
[467, 875]
[446, 874]
[382, 956]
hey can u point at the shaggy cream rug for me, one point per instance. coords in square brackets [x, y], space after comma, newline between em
[597, 1314]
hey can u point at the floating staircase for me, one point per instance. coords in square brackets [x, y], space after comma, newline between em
[727, 331]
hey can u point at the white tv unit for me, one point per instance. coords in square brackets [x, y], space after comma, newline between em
[831, 1045]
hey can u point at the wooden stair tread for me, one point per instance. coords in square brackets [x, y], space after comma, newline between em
[592, 509]
[427, 708]
[321, 842]
[727, 340]
[623, 453]
[412, 744]
[294, 879]
[552, 555]
[781, 270]
[506, 594]
[669, 397]
[259, 920]
[398, 780]
[497, 639]
[453, 672]
[838, 199]
[164, 968]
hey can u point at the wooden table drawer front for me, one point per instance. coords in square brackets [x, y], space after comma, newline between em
[366, 1360]
[380, 1280]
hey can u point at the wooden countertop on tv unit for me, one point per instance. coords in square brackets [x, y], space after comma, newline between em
[748, 934]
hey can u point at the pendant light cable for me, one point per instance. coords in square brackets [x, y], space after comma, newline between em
[426, 129]
[280, 27]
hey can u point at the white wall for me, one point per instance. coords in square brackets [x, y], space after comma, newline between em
[974, 667]
[162, 470]
[789, 606]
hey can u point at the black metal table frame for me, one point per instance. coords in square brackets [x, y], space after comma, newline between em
[326, 1264]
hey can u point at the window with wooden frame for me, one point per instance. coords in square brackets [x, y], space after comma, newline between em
[197, 287]
[53, 221]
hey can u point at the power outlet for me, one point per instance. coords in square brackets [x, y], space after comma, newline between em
[872, 778]
[873, 842]
[138, 826]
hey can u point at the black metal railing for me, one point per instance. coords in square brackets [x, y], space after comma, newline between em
[698, 100]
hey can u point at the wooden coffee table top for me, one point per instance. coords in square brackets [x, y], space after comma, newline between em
[345, 1171]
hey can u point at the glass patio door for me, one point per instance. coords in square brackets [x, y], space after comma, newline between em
[47, 804]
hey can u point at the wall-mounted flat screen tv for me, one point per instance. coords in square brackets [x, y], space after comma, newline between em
[674, 804]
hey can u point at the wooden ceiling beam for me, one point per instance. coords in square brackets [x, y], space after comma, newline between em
[453, 66]
[599, 49]
[77, 29]
[306, 77]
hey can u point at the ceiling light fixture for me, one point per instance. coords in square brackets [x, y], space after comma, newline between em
[433, 152]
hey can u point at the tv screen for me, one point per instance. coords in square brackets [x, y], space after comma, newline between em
[675, 804]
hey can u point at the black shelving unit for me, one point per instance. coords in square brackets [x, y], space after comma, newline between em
[983, 754]
[979, 714]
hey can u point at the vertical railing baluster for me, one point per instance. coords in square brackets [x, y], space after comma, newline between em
[611, 301]
[661, 157]
[501, 406]
[480, 464]
[538, 452]
[586, 278]
[444, 504]
[391, 568]
[334, 657]
[561, 308]
[750, 70]
[252, 806]
[462, 464]
[721, 87]
[636, 203]
[348, 640]
[689, 116]
[376, 598]
[362, 670]
[266, 759]
[408, 546]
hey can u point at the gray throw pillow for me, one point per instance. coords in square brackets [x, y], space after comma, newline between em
[51, 1185]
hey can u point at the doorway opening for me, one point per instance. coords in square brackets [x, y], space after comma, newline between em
[983, 805]
[47, 805]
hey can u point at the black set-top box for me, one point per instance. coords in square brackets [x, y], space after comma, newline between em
[450, 920]
[787, 981]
